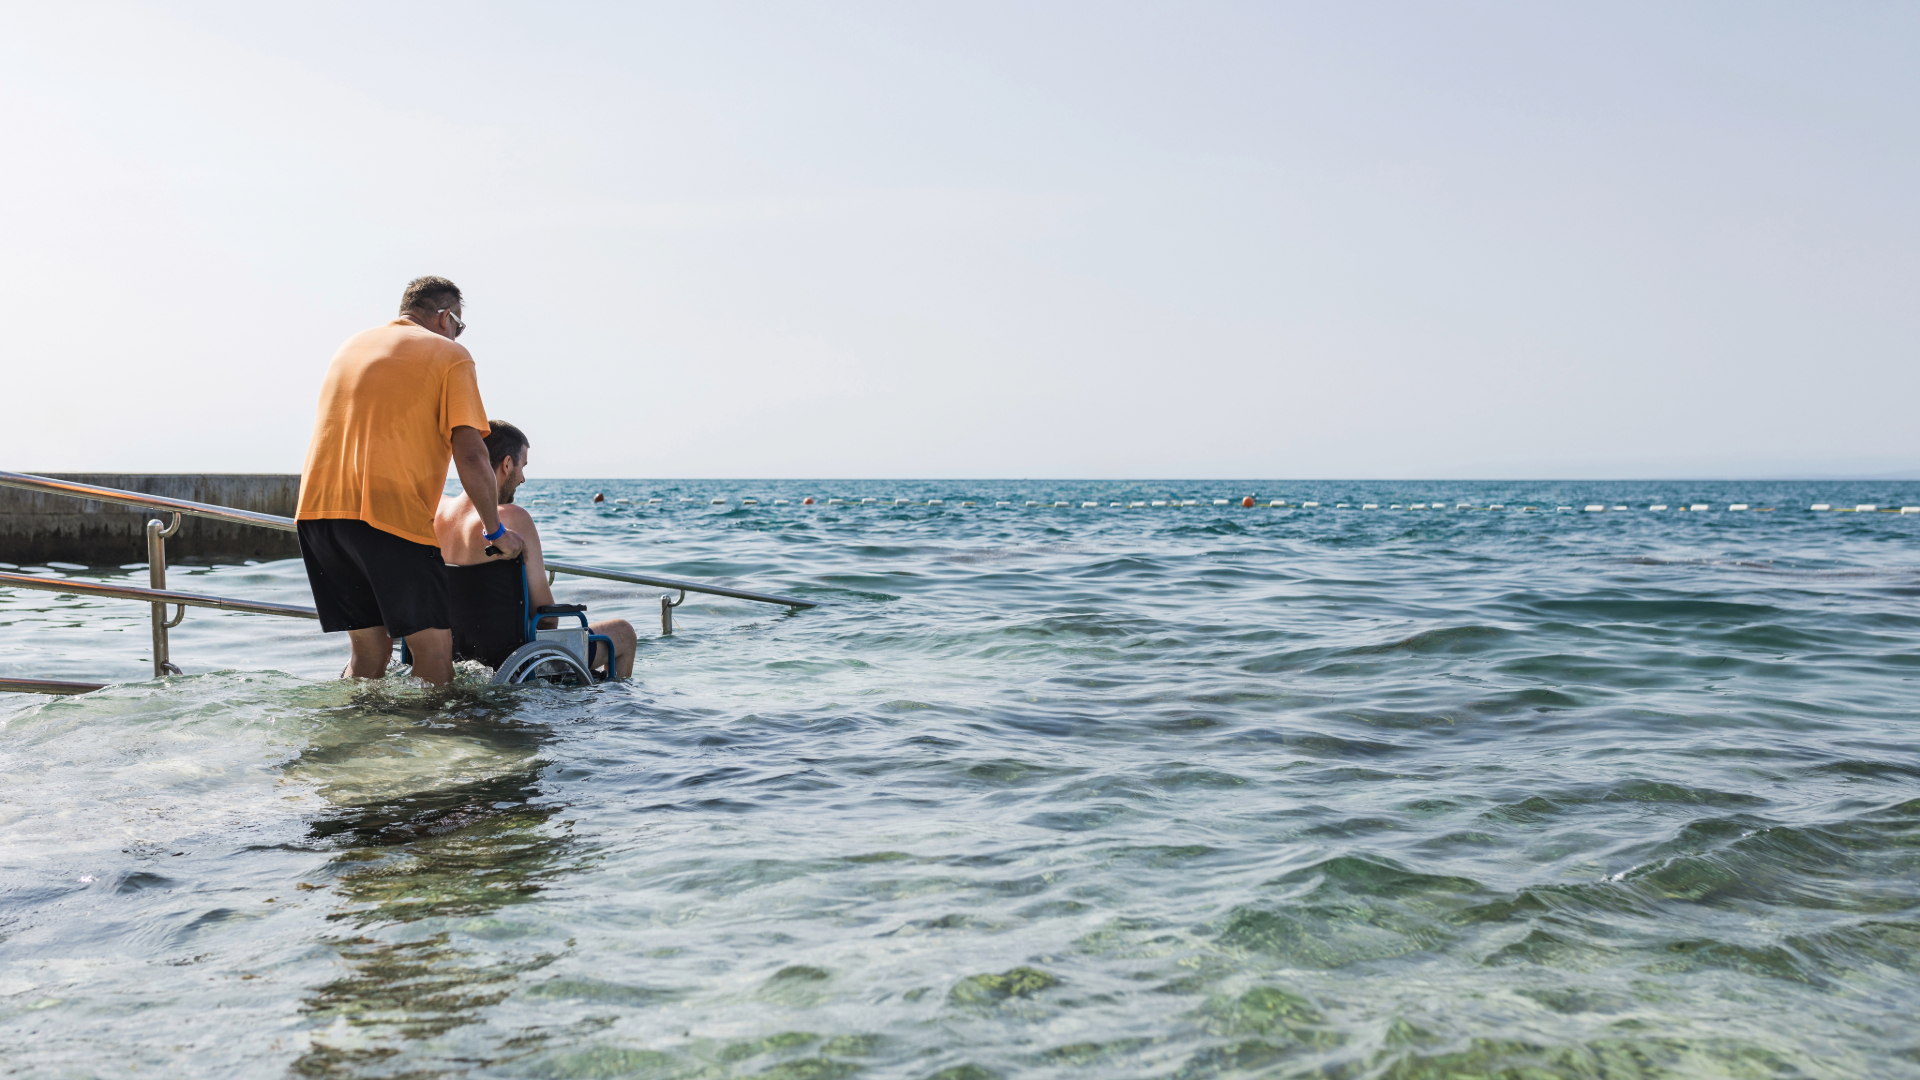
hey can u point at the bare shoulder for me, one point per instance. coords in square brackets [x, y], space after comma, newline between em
[516, 518]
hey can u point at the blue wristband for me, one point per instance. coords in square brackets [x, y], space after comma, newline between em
[498, 531]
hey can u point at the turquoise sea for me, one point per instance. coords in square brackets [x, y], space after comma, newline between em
[1181, 792]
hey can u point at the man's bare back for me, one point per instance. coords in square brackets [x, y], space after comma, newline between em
[461, 544]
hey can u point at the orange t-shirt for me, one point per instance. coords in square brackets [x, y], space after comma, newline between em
[388, 407]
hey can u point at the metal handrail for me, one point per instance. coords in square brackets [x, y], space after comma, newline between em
[152, 596]
[159, 596]
[49, 686]
[69, 488]
[286, 524]
[676, 583]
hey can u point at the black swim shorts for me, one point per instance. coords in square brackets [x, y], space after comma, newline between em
[364, 577]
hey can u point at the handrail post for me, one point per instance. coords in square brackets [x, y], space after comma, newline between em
[667, 604]
[157, 578]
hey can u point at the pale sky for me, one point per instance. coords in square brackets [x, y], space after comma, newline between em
[980, 239]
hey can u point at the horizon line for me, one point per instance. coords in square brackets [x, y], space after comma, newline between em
[1758, 479]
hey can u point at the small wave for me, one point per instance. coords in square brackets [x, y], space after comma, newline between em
[1773, 568]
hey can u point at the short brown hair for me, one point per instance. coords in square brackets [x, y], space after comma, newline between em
[428, 294]
[504, 441]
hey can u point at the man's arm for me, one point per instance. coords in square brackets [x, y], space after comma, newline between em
[476, 476]
[539, 593]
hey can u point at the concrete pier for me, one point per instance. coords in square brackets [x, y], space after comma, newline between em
[36, 527]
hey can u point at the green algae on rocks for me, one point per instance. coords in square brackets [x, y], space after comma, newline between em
[989, 989]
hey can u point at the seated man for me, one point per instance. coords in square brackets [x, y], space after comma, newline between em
[460, 545]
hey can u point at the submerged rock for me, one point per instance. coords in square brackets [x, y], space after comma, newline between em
[987, 989]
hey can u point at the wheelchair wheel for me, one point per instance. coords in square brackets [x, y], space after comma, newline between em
[539, 661]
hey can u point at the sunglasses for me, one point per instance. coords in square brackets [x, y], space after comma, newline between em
[458, 326]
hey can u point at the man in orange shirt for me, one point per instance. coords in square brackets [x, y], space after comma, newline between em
[398, 402]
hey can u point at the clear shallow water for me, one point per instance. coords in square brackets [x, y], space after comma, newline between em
[1183, 793]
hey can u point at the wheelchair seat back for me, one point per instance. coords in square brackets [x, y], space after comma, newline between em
[488, 605]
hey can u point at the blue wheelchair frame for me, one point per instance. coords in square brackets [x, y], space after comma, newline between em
[555, 611]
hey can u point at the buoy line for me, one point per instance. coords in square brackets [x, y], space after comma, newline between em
[1246, 502]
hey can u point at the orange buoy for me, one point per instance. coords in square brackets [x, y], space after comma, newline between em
[1248, 501]
[598, 497]
[808, 501]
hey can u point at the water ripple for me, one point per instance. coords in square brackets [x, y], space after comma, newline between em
[1198, 792]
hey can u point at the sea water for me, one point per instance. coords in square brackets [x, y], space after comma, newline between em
[1039, 792]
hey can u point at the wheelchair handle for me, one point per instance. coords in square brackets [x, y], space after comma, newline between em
[578, 611]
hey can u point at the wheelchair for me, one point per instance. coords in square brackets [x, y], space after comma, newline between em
[494, 623]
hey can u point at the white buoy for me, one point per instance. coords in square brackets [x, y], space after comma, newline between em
[1737, 506]
[1159, 502]
[1699, 506]
[618, 501]
[1497, 506]
[1821, 506]
[1030, 502]
[1463, 506]
[868, 502]
[1310, 506]
[836, 502]
[1003, 504]
[1369, 506]
[1594, 508]
[749, 502]
[653, 502]
[1276, 502]
[1619, 508]
[1060, 504]
[1658, 506]
[1136, 505]
[1190, 502]
[779, 502]
[1910, 509]
[971, 504]
[1089, 506]
[1866, 508]
[1342, 506]
[1418, 506]
[1568, 509]
[939, 502]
